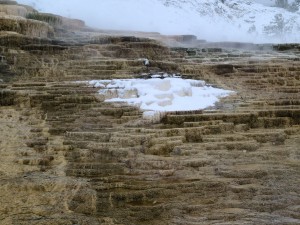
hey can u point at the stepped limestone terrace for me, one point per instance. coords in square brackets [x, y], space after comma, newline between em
[69, 157]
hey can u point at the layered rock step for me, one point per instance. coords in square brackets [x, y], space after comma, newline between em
[216, 153]
[232, 154]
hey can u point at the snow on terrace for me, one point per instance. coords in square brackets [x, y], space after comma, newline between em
[155, 95]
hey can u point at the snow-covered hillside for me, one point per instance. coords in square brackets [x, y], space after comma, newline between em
[240, 19]
[214, 20]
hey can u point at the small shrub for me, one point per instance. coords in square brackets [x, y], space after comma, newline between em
[193, 135]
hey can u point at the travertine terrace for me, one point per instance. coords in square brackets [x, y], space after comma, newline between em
[68, 157]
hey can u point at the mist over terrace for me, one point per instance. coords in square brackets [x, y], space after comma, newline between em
[218, 22]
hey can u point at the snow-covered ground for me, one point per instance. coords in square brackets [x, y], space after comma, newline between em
[160, 95]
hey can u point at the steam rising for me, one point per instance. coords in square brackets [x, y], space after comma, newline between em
[218, 22]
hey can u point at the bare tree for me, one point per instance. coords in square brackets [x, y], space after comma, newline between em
[294, 7]
[282, 3]
[277, 27]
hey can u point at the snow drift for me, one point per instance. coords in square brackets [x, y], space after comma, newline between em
[160, 95]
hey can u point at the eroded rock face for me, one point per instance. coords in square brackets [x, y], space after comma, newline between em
[13, 10]
[72, 24]
[26, 27]
[27, 21]
[68, 157]
[13, 19]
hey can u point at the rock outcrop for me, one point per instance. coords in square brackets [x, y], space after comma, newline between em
[68, 157]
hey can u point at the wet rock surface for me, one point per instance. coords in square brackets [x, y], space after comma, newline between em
[68, 157]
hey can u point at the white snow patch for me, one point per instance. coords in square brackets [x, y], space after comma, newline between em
[155, 96]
